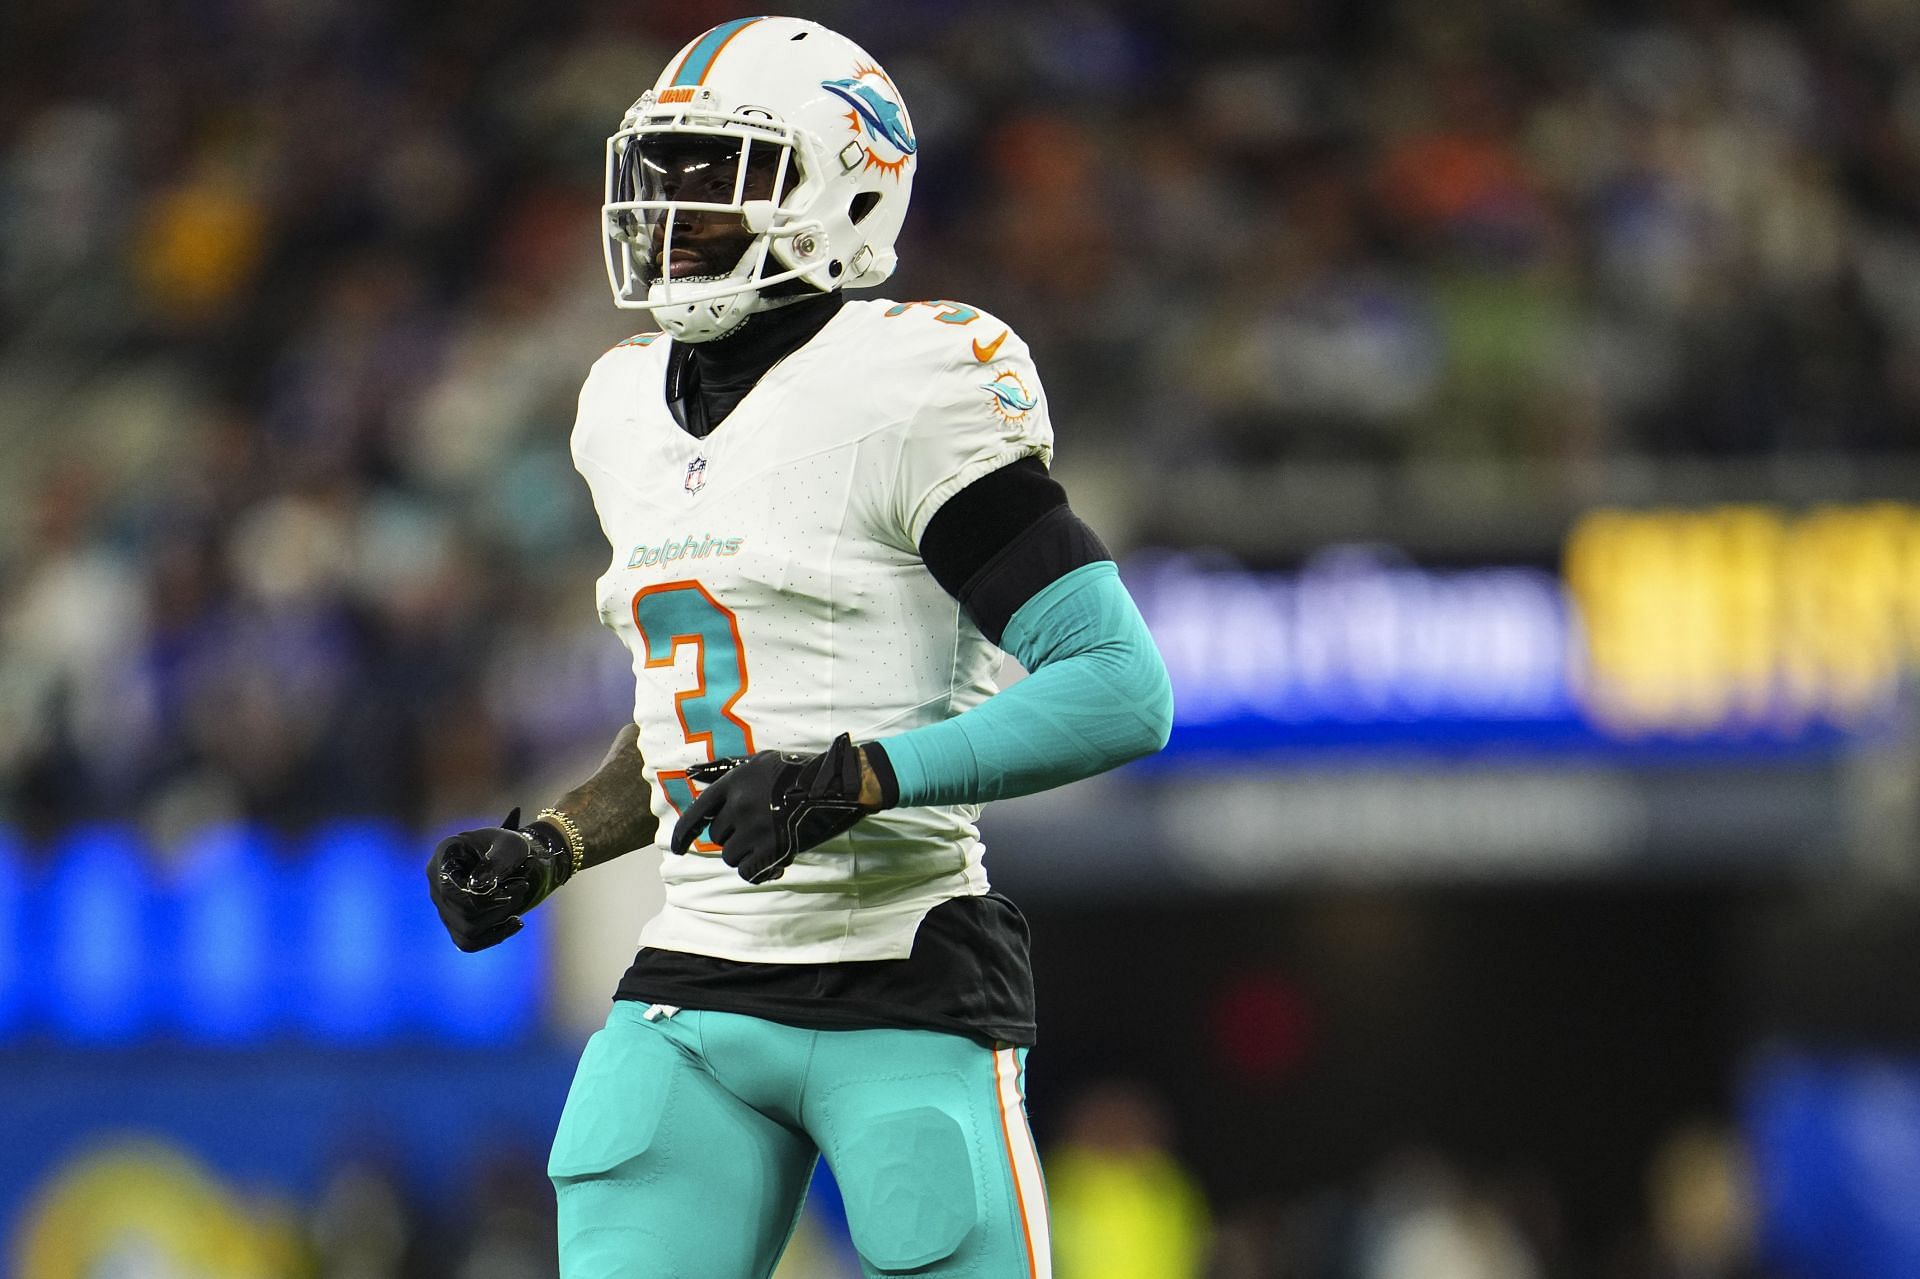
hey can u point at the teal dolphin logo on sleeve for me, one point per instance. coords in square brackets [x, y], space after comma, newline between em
[1011, 399]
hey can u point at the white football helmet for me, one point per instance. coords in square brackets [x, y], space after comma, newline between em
[753, 98]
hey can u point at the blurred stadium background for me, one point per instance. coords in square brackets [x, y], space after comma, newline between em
[1509, 411]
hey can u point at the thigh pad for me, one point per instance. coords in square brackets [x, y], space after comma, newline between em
[908, 1180]
[621, 1090]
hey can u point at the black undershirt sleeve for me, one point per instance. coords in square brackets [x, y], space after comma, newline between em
[1001, 540]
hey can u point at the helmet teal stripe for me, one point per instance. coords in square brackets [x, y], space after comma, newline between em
[700, 58]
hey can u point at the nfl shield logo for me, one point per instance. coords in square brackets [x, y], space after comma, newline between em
[696, 475]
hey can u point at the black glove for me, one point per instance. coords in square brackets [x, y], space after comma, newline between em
[482, 881]
[766, 808]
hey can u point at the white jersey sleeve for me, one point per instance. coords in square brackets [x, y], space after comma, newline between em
[982, 407]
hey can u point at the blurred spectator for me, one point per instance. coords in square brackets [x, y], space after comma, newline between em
[204, 244]
[1121, 1205]
[362, 1226]
[1425, 1221]
[508, 1231]
[1703, 1209]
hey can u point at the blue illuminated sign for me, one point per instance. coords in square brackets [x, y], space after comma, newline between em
[1355, 637]
[1360, 650]
[240, 938]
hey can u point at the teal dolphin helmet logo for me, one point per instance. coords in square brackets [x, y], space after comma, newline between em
[876, 113]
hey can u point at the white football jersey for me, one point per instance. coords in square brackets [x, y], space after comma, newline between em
[768, 582]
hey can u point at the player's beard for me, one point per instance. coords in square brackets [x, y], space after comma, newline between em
[705, 260]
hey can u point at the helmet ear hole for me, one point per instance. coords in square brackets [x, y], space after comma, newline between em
[862, 205]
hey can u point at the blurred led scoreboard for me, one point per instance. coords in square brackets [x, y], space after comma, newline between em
[1742, 629]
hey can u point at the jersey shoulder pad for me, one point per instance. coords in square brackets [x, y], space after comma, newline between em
[949, 332]
[614, 378]
[637, 341]
[624, 361]
[971, 398]
[952, 354]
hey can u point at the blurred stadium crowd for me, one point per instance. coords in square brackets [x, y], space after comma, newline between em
[295, 298]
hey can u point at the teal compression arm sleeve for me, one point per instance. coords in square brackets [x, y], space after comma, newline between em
[1096, 696]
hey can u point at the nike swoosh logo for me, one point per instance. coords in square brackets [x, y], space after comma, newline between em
[985, 353]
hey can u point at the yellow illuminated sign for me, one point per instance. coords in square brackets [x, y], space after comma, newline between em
[137, 1206]
[1744, 616]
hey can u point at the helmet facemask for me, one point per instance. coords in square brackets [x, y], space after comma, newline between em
[668, 174]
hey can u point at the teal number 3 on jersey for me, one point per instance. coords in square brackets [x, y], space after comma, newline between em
[673, 614]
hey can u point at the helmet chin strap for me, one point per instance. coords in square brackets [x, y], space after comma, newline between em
[706, 321]
[710, 318]
[699, 328]
[715, 318]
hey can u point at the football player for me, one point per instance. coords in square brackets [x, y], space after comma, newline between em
[828, 519]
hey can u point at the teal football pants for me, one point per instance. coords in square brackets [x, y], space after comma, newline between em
[689, 1138]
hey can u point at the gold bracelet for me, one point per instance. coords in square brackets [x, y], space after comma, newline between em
[569, 832]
